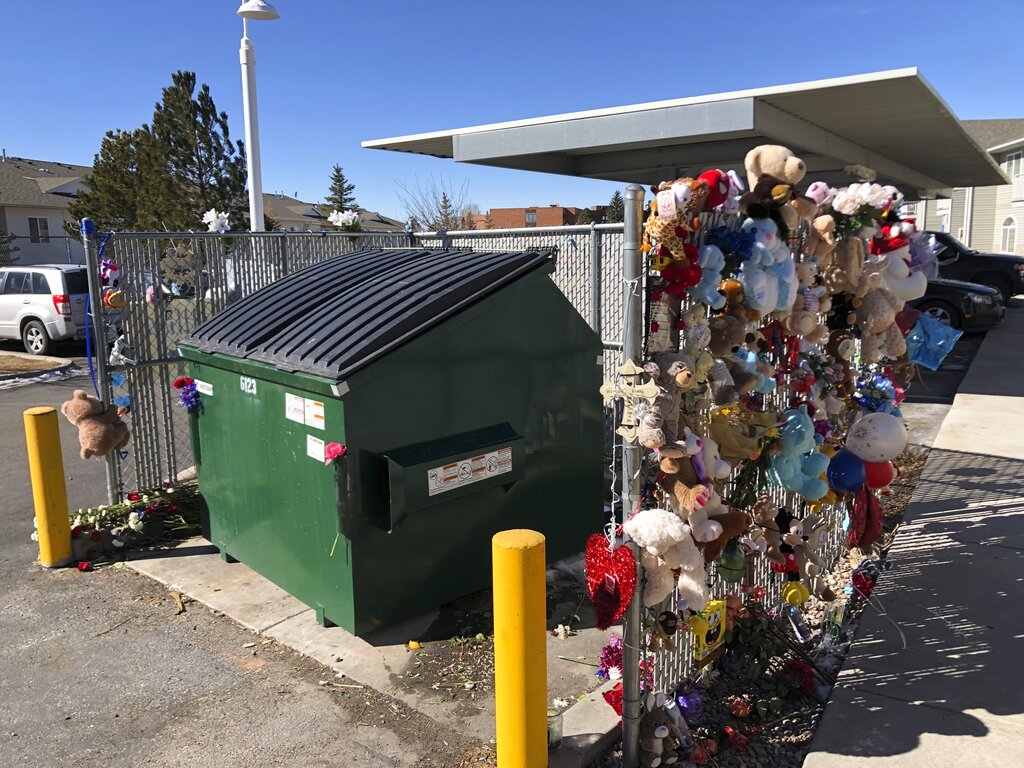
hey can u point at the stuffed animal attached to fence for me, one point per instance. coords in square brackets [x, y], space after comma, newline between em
[100, 429]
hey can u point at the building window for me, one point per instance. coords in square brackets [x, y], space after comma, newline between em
[38, 230]
[531, 218]
[1009, 241]
[1015, 164]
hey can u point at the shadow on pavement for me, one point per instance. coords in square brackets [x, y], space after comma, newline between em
[940, 654]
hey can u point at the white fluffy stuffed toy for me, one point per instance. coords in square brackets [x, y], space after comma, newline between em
[667, 544]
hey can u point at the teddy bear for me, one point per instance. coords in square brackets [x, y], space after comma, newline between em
[764, 513]
[815, 537]
[667, 545]
[673, 372]
[772, 173]
[848, 272]
[727, 337]
[821, 239]
[690, 496]
[711, 261]
[753, 357]
[798, 465]
[100, 429]
[842, 347]
[735, 302]
[655, 745]
[876, 318]
[734, 524]
[760, 288]
[811, 300]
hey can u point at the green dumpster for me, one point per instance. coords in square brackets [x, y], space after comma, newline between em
[463, 387]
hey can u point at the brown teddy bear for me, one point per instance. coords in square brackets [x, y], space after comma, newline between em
[848, 271]
[100, 429]
[811, 301]
[772, 173]
[764, 513]
[821, 240]
[841, 347]
[734, 523]
[688, 496]
[876, 318]
[674, 373]
[732, 289]
[728, 334]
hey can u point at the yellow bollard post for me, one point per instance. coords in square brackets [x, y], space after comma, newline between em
[49, 493]
[520, 649]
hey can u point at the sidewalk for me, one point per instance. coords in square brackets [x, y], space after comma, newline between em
[934, 675]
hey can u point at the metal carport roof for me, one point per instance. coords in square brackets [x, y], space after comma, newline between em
[893, 123]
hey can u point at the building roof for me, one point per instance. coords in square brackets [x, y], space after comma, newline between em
[314, 215]
[993, 133]
[891, 122]
[39, 183]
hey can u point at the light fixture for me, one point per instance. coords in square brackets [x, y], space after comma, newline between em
[257, 10]
[862, 172]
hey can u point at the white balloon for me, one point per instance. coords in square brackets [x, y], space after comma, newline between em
[877, 437]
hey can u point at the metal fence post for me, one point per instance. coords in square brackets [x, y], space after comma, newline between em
[595, 280]
[99, 335]
[632, 339]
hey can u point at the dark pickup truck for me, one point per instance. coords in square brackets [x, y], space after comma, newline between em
[1001, 271]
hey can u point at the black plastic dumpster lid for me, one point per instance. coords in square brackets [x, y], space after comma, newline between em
[332, 318]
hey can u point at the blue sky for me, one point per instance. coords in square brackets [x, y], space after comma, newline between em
[331, 74]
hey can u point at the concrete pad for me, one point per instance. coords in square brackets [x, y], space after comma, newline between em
[196, 569]
[381, 660]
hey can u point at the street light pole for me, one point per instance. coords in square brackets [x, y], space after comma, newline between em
[256, 10]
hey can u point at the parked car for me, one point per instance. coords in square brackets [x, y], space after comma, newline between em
[967, 306]
[1002, 271]
[43, 304]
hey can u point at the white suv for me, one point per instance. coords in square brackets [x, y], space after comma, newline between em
[43, 304]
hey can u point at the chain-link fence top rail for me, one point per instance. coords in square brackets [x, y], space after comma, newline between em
[673, 667]
[174, 281]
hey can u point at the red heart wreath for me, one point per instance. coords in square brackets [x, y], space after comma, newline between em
[611, 577]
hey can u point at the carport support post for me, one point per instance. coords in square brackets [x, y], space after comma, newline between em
[99, 339]
[632, 342]
[595, 280]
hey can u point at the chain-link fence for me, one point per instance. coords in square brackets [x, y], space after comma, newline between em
[172, 282]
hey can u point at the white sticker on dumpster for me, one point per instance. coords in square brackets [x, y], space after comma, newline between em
[295, 408]
[315, 448]
[203, 387]
[314, 413]
[466, 471]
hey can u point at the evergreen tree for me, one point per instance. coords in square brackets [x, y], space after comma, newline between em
[488, 221]
[342, 195]
[585, 216]
[616, 208]
[114, 186]
[447, 219]
[204, 168]
[165, 175]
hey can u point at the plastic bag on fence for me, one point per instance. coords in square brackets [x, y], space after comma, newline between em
[929, 341]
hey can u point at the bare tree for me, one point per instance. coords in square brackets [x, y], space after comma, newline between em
[470, 215]
[434, 204]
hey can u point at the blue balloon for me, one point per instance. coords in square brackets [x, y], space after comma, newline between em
[846, 472]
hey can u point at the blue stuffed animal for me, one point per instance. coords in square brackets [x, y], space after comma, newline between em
[799, 466]
[711, 261]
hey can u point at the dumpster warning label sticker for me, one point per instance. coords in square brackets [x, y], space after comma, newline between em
[203, 387]
[314, 413]
[302, 410]
[295, 408]
[466, 471]
[315, 448]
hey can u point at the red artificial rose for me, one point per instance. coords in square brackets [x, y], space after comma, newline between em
[182, 381]
[84, 565]
[334, 451]
[134, 496]
[76, 532]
